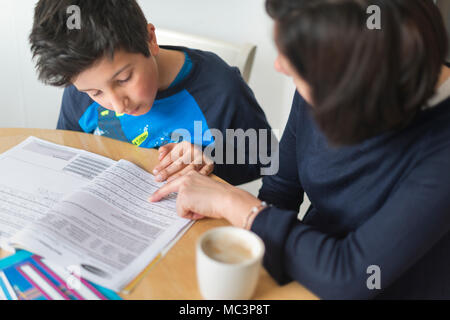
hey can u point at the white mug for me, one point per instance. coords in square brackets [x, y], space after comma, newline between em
[228, 263]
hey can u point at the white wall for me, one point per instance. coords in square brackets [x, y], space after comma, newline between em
[24, 101]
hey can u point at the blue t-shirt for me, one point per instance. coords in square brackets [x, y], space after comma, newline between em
[207, 94]
[383, 203]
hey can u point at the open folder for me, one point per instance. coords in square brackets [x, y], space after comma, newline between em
[25, 276]
[76, 208]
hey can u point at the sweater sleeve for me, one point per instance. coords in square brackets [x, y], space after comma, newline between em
[412, 220]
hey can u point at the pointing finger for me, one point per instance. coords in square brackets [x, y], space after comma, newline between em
[165, 190]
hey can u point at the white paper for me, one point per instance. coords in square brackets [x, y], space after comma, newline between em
[107, 227]
[36, 174]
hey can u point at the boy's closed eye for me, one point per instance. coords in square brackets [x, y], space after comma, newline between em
[98, 93]
[126, 79]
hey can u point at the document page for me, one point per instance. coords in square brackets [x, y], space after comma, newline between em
[36, 174]
[108, 227]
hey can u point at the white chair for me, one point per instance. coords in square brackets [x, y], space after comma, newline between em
[241, 56]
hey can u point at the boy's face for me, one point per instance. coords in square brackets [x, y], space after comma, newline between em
[127, 84]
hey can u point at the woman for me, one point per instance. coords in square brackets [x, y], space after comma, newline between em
[368, 140]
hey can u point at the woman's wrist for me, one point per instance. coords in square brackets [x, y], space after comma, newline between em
[241, 208]
[248, 222]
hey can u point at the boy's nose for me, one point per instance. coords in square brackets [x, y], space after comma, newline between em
[119, 104]
[119, 107]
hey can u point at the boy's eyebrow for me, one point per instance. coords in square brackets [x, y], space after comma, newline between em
[115, 75]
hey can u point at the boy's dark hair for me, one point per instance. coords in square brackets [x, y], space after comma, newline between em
[363, 82]
[106, 26]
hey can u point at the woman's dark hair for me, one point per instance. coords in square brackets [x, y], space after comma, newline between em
[106, 26]
[363, 82]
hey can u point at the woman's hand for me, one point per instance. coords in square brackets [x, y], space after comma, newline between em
[200, 196]
[177, 159]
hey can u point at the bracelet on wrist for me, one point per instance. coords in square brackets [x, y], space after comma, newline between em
[255, 210]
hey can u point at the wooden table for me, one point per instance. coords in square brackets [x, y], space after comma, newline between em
[174, 276]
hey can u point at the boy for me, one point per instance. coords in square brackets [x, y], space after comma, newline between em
[121, 84]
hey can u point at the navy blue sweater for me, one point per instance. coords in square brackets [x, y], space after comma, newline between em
[385, 202]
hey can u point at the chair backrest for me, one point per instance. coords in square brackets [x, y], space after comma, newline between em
[444, 7]
[241, 56]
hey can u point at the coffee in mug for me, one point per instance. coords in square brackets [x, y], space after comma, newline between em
[228, 263]
[226, 250]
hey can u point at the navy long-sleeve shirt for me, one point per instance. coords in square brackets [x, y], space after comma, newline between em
[384, 202]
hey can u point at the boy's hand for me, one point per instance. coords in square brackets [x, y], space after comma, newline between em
[177, 159]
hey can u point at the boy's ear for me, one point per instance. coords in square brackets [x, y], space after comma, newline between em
[152, 41]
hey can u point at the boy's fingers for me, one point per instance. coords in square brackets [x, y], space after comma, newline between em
[181, 173]
[170, 170]
[165, 149]
[163, 162]
[180, 164]
[207, 169]
[168, 158]
[162, 153]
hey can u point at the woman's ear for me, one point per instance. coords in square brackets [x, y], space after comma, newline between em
[152, 41]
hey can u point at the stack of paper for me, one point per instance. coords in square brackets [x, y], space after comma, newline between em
[81, 210]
